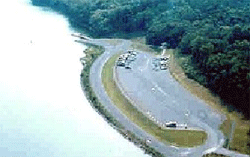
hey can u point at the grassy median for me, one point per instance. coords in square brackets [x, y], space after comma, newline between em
[92, 52]
[183, 138]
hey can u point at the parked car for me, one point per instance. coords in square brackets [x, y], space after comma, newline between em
[120, 63]
[164, 58]
[171, 124]
[163, 67]
[131, 52]
[132, 57]
[127, 66]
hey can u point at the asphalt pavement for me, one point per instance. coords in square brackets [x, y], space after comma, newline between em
[158, 94]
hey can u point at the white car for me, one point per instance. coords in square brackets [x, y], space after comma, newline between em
[125, 56]
[120, 63]
[132, 52]
[163, 67]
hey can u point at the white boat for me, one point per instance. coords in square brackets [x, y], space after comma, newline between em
[81, 36]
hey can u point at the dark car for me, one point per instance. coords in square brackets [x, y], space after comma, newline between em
[171, 124]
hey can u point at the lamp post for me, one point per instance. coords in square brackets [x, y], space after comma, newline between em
[186, 117]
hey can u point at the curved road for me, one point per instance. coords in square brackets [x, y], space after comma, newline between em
[215, 137]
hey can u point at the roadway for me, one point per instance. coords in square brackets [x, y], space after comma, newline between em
[167, 101]
[96, 83]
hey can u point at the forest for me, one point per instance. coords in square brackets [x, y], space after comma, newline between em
[212, 36]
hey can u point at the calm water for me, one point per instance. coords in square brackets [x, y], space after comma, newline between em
[43, 111]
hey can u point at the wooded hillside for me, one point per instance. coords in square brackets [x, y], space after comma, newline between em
[213, 36]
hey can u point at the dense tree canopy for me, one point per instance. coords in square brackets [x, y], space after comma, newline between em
[213, 36]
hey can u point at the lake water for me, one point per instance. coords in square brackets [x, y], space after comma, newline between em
[43, 111]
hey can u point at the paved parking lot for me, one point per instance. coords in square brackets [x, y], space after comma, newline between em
[158, 95]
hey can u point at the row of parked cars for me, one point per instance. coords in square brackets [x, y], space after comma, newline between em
[161, 63]
[125, 59]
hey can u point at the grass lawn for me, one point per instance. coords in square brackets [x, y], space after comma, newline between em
[184, 138]
[214, 155]
[139, 44]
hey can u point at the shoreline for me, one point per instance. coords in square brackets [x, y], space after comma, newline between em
[109, 118]
[180, 78]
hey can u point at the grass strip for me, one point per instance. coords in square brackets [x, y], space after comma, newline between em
[214, 155]
[183, 138]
